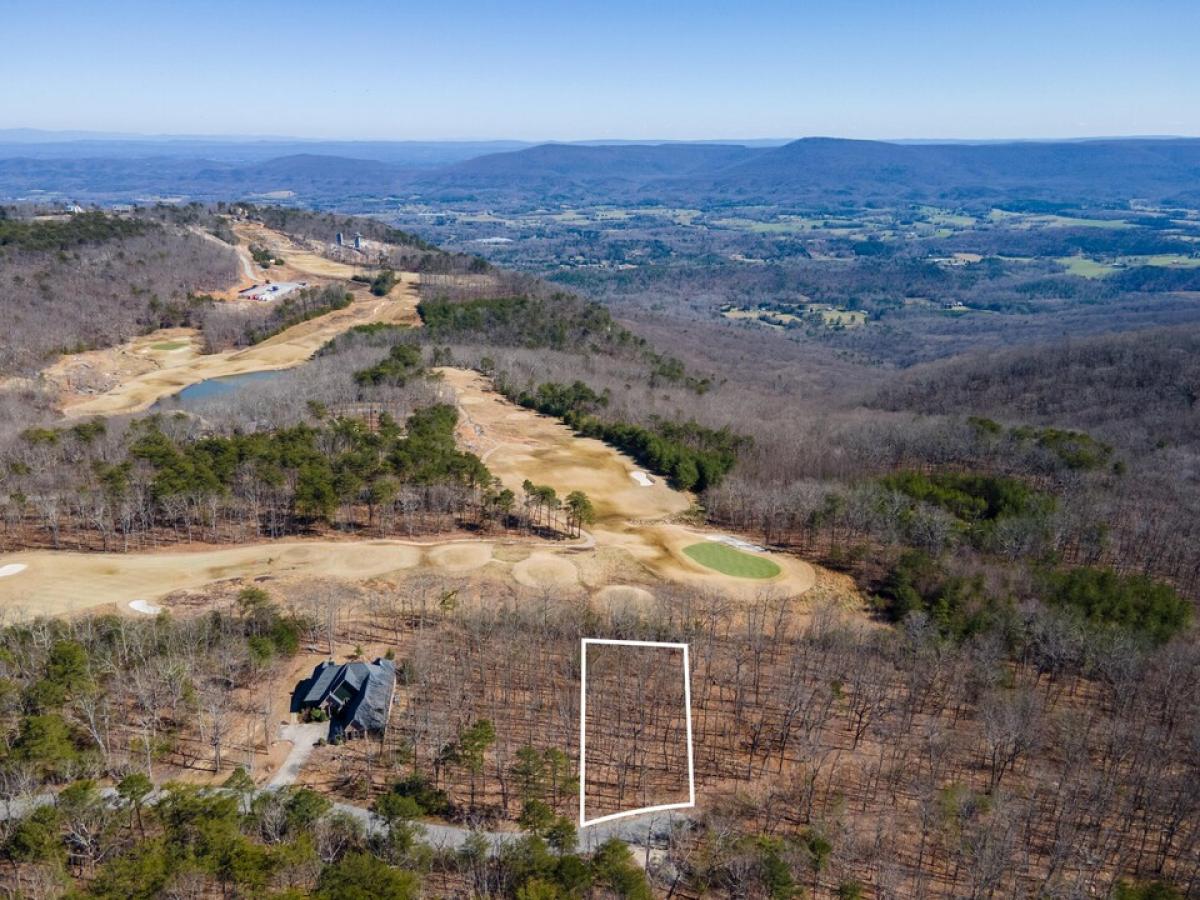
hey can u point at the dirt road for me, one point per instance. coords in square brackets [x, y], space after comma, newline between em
[303, 737]
[250, 272]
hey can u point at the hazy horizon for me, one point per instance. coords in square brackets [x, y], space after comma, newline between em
[20, 134]
[624, 70]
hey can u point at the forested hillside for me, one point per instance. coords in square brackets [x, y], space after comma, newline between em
[71, 283]
[990, 694]
[1140, 389]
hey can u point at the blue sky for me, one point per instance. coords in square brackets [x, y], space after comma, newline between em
[569, 70]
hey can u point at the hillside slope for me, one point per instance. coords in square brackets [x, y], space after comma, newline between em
[91, 280]
[1138, 389]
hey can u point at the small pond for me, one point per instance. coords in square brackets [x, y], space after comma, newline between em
[213, 389]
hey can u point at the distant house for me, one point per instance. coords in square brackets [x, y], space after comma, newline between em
[356, 696]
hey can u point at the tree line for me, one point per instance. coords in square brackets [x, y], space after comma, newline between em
[692, 456]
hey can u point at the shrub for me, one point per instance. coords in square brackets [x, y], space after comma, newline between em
[1133, 603]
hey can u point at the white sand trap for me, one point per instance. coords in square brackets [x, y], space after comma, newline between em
[461, 557]
[12, 569]
[642, 478]
[545, 570]
[145, 606]
[737, 543]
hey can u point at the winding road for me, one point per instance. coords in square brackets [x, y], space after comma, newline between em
[647, 830]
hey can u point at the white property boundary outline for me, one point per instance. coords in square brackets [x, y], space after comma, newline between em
[687, 706]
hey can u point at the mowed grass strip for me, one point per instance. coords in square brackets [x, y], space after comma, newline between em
[731, 561]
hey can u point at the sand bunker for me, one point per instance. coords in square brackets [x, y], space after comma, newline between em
[736, 543]
[145, 606]
[12, 569]
[460, 557]
[543, 570]
[642, 478]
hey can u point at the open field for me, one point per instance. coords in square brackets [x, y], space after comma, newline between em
[830, 316]
[1085, 267]
[769, 318]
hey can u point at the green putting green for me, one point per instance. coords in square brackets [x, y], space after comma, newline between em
[169, 345]
[731, 561]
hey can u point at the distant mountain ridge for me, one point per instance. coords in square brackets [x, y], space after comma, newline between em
[807, 171]
[823, 169]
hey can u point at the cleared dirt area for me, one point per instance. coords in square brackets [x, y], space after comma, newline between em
[154, 374]
[84, 375]
[299, 258]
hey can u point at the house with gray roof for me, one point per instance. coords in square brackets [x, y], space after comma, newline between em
[357, 696]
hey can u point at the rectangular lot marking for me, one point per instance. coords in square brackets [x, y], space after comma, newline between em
[687, 701]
